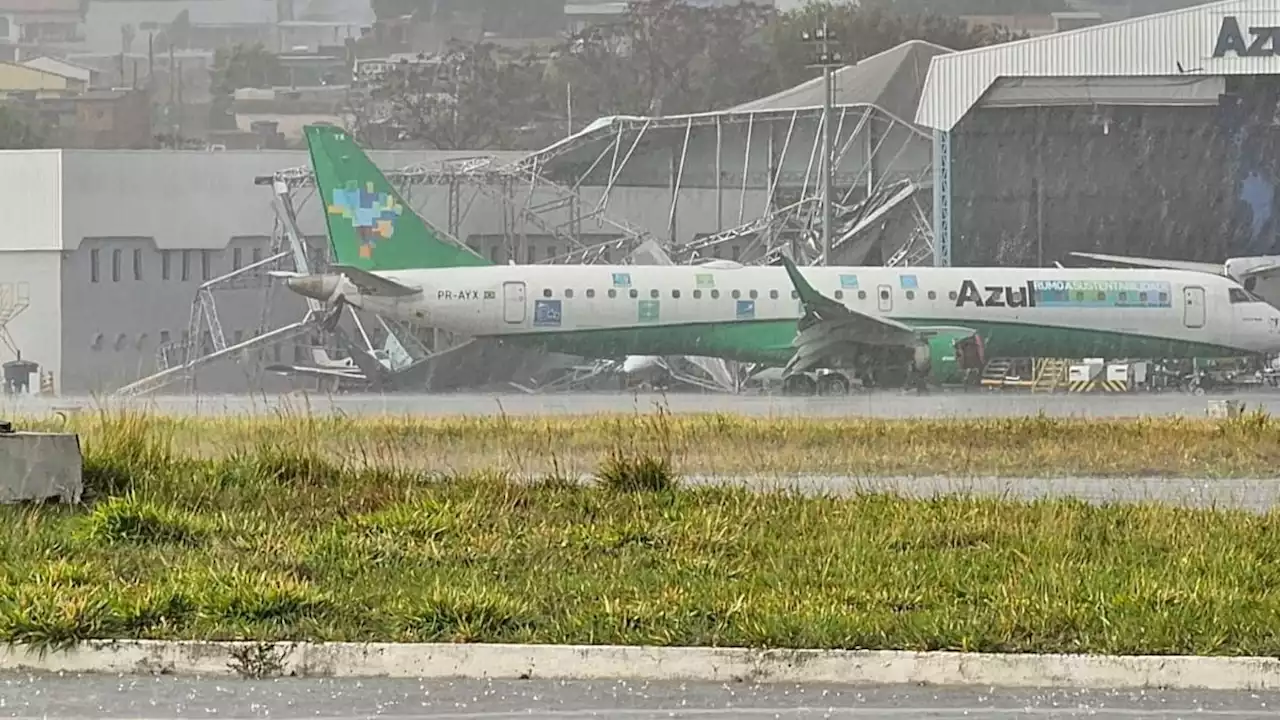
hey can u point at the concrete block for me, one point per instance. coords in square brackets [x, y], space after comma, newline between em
[40, 466]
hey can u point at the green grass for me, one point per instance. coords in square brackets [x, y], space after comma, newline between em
[715, 444]
[277, 542]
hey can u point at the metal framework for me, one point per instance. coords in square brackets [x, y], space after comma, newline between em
[14, 299]
[874, 202]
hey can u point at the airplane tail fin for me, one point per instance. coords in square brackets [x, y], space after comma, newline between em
[370, 225]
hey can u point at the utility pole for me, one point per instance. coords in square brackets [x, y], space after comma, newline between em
[828, 60]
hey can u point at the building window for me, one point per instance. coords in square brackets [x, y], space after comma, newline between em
[206, 266]
[186, 265]
[164, 337]
[137, 263]
[165, 262]
[93, 265]
[257, 255]
[235, 258]
[115, 266]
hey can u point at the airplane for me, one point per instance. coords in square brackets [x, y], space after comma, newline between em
[886, 326]
[1251, 272]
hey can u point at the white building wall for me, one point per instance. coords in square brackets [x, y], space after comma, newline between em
[1169, 44]
[30, 253]
[34, 330]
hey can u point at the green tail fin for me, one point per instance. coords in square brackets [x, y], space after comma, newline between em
[370, 226]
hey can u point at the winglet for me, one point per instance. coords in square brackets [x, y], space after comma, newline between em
[807, 294]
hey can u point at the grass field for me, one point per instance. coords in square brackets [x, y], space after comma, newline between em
[718, 444]
[269, 539]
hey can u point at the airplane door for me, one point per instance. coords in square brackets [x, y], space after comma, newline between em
[1193, 307]
[885, 294]
[513, 302]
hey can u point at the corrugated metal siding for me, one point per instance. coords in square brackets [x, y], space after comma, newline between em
[1145, 46]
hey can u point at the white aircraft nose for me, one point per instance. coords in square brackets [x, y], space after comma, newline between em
[637, 363]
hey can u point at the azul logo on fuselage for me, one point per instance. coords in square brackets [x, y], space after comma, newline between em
[458, 295]
[996, 295]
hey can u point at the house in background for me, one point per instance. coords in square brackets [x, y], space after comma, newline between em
[20, 80]
[91, 77]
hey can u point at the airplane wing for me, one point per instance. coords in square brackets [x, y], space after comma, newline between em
[827, 324]
[1212, 268]
[370, 284]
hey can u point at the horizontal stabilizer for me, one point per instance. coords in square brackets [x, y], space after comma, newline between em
[370, 284]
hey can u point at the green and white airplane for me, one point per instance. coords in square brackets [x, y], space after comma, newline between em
[897, 325]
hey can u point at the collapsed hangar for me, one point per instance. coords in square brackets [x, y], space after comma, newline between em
[746, 183]
[1153, 136]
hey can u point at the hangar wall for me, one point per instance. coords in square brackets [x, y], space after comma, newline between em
[1030, 185]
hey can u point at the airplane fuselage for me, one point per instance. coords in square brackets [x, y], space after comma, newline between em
[749, 313]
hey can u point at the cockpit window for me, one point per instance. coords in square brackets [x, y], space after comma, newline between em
[1240, 295]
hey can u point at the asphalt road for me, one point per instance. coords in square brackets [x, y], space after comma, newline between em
[154, 698]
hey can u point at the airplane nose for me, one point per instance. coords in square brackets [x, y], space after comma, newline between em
[318, 287]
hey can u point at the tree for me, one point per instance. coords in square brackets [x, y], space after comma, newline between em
[241, 66]
[664, 57]
[474, 96]
[863, 31]
[18, 131]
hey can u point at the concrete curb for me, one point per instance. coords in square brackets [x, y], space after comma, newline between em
[604, 662]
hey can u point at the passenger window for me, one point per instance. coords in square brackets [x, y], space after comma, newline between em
[591, 293]
[675, 294]
[839, 294]
[951, 294]
[613, 293]
[862, 294]
[932, 295]
[773, 294]
[911, 294]
[568, 292]
[715, 294]
[795, 295]
[635, 293]
[697, 294]
[546, 292]
[884, 294]
[1164, 297]
[736, 294]
[754, 294]
[1102, 295]
[653, 294]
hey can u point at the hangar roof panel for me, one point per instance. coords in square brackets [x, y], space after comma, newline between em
[891, 81]
[1207, 40]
